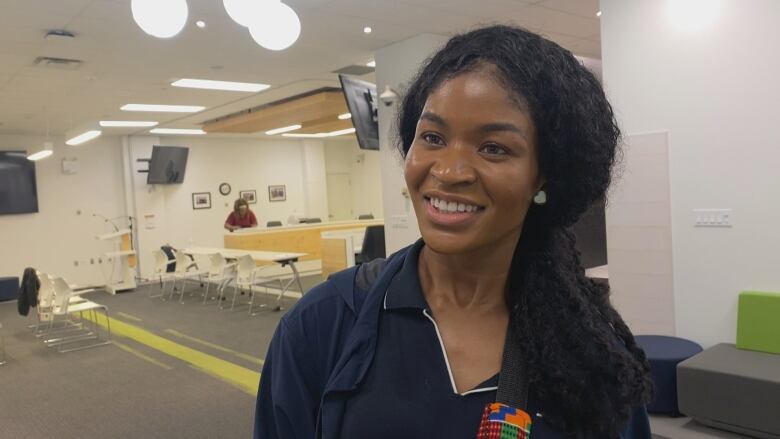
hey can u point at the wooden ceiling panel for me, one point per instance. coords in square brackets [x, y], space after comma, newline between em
[308, 110]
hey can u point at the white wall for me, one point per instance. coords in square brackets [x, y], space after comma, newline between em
[64, 229]
[715, 91]
[639, 236]
[363, 168]
[245, 164]
[396, 65]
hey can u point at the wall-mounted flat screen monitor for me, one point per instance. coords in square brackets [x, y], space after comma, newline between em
[362, 103]
[18, 189]
[167, 164]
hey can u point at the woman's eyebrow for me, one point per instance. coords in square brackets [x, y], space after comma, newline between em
[501, 126]
[435, 118]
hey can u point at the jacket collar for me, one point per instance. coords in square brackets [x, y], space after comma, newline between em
[405, 290]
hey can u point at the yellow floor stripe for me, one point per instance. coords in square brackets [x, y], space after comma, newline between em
[143, 356]
[247, 357]
[233, 374]
[129, 317]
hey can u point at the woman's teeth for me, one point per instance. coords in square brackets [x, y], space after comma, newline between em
[452, 207]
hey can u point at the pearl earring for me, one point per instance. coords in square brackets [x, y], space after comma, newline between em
[540, 198]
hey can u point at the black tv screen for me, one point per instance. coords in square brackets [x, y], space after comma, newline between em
[167, 164]
[362, 103]
[18, 189]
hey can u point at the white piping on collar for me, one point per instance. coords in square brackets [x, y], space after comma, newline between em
[447, 361]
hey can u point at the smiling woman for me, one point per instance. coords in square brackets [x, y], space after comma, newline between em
[488, 320]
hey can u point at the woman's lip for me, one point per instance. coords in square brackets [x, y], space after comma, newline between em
[447, 219]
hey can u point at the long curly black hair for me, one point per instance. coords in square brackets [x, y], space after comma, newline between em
[586, 372]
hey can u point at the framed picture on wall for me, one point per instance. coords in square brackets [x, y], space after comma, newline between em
[277, 193]
[201, 200]
[249, 196]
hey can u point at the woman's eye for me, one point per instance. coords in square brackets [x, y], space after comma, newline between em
[493, 149]
[433, 139]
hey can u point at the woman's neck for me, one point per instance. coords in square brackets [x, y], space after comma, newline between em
[475, 280]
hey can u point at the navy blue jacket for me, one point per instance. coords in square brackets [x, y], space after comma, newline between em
[323, 348]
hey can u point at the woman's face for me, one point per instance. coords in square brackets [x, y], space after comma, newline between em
[472, 170]
[242, 208]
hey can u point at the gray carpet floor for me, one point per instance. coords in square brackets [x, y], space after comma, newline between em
[108, 392]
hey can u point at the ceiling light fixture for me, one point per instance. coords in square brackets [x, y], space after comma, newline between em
[163, 108]
[693, 15]
[201, 24]
[160, 18]
[367, 30]
[45, 151]
[83, 137]
[345, 116]
[177, 131]
[598, 14]
[341, 132]
[371, 64]
[126, 123]
[243, 11]
[307, 136]
[208, 84]
[277, 27]
[283, 130]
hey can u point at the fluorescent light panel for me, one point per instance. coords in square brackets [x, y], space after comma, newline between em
[321, 135]
[83, 137]
[177, 131]
[371, 64]
[163, 108]
[126, 123]
[345, 116]
[220, 85]
[42, 154]
[283, 130]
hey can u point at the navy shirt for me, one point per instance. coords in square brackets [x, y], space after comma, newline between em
[347, 362]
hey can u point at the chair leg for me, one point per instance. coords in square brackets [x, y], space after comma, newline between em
[206, 294]
[183, 287]
[235, 293]
[252, 299]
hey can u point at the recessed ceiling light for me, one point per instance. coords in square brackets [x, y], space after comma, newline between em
[208, 84]
[201, 24]
[45, 151]
[177, 131]
[341, 132]
[163, 108]
[126, 123]
[371, 64]
[283, 130]
[367, 29]
[345, 116]
[83, 137]
[307, 136]
[321, 135]
[598, 14]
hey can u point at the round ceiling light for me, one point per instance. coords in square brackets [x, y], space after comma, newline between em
[277, 27]
[244, 12]
[160, 18]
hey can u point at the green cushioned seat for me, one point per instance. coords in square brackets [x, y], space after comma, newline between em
[758, 322]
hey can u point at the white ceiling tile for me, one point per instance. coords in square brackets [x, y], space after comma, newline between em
[583, 8]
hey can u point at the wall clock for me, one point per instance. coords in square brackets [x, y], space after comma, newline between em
[224, 189]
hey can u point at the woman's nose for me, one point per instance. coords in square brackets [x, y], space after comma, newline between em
[454, 166]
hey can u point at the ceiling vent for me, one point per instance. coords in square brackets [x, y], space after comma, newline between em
[354, 70]
[49, 62]
[59, 34]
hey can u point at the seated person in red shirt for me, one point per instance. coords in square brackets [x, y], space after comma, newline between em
[241, 217]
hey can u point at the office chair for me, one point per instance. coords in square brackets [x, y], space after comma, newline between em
[373, 245]
[273, 224]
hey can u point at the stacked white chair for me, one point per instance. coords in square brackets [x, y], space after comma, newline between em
[63, 308]
[186, 270]
[247, 276]
[221, 273]
[161, 264]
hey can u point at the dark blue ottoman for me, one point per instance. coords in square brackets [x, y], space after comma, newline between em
[9, 288]
[664, 353]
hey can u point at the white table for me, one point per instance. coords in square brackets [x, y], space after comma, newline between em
[281, 258]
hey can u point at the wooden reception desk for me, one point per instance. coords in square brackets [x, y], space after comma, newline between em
[300, 238]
